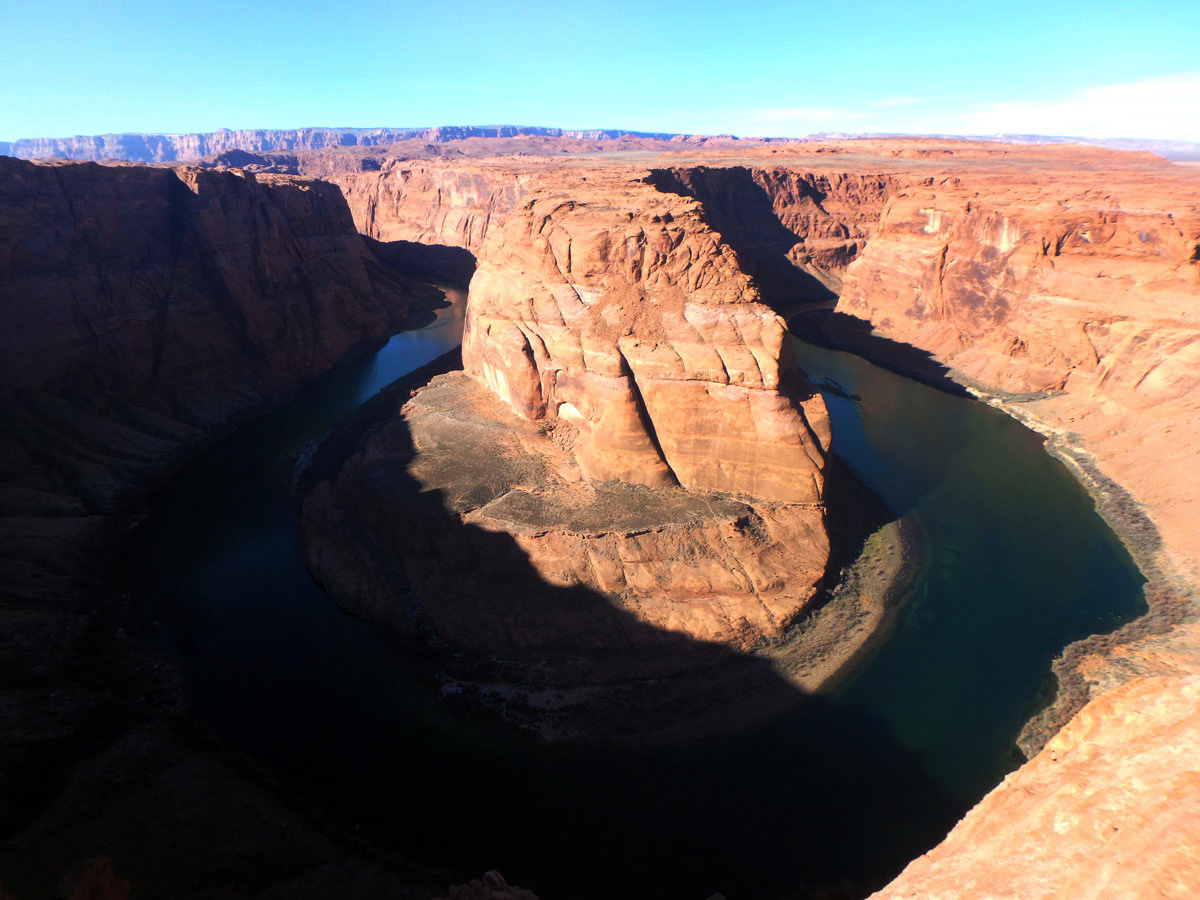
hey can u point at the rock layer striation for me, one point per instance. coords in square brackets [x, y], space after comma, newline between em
[626, 318]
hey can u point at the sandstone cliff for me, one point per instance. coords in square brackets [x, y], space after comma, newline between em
[794, 232]
[431, 202]
[786, 224]
[1074, 301]
[137, 278]
[142, 307]
[1109, 809]
[636, 326]
[140, 310]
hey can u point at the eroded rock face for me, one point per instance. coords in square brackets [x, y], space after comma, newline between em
[625, 486]
[139, 310]
[1077, 301]
[623, 315]
[431, 202]
[142, 307]
[786, 224]
[145, 281]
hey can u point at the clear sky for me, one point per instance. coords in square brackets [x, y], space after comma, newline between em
[1103, 68]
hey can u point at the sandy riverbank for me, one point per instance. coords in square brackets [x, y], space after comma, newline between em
[829, 645]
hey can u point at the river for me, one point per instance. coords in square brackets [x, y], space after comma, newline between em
[1013, 564]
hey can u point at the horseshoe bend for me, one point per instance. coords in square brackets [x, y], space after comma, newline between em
[724, 431]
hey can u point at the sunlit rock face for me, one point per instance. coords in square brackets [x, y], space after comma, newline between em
[427, 201]
[1079, 299]
[1109, 809]
[624, 315]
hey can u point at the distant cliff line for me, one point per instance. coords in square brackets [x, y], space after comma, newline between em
[159, 148]
[183, 147]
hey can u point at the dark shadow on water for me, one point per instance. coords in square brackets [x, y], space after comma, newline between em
[742, 212]
[839, 331]
[738, 800]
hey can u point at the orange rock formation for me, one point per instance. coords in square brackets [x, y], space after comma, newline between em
[1074, 300]
[1110, 808]
[620, 312]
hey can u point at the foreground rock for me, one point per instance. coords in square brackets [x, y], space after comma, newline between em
[1110, 808]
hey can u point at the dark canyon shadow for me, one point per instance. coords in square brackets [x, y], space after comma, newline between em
[436, 262]
[742, 212]
[674, 774]
[839, 331]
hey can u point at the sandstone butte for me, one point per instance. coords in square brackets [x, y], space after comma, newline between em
[675, 467]
[1059, 283]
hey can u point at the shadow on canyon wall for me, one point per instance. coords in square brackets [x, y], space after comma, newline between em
[742, 212]
[687, 767]
[435, 262]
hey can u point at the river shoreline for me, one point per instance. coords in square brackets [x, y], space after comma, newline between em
[1171, 595]
[831, 644]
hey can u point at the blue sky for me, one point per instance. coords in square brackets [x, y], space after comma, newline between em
[1097, 69]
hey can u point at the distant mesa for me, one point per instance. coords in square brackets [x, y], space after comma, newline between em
[165, 148]
[184, 147]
